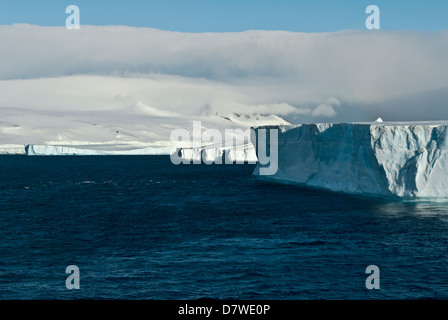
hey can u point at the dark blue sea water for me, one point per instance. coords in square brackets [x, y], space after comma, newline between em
[142, 228]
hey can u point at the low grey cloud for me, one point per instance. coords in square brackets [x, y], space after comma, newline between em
[309, 76]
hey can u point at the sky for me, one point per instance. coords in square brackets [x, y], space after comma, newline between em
[232, 15]
[311, 61]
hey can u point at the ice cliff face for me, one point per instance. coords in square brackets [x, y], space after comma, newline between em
[44, 150]
[403, 160]
[243, 153]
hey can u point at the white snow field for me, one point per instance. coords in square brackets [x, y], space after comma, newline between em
[405, 160]
[124, 131]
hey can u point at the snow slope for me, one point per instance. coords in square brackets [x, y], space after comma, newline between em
[135, 130]
[405, 160]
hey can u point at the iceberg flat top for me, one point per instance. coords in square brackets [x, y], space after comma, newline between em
[404, 123]
[369, 123]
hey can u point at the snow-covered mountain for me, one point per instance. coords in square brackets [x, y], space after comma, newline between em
[136, 130]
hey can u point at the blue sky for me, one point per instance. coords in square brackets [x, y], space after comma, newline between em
[232, 15]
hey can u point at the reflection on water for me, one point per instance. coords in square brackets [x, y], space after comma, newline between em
[424, 209]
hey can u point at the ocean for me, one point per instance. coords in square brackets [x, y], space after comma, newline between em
[139, 227]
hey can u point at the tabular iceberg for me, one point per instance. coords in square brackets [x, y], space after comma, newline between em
[407, 160]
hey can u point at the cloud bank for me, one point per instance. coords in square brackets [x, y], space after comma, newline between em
[353, 75]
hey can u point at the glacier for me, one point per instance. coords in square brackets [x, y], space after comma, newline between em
[115, 132]
[51, 150]
[12, 149]
[244, 153]
[403, 160]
